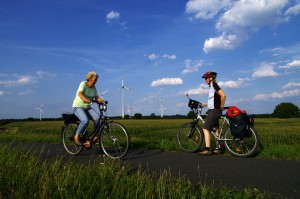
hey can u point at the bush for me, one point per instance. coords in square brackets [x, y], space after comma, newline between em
[286, 110]
[138, 116]
[191, 115]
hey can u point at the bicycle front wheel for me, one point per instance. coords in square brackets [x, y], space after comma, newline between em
[244, 146]
[190, 137]
[114, 140]
[68, 139]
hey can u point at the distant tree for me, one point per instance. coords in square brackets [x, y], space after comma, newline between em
[126, 116]
[138, 116]
[286, 110]
[152, 115]
[191, 115]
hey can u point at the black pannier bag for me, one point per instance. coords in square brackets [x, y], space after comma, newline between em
[69, 118]
[240, 125]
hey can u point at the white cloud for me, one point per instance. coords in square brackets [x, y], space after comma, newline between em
[167, 81]
[153, 56]
[250, 14]
[22, 80]
[293, 10]
[172, 57]
[202, 90]
[234, 84]
[205, 9]
[277, 95]
[290, 65]
[191, 66]
[225, 42]
[265, 70]
[291, 84]
[1, 93]
[28, 92]
[111, 16]
[237, 20]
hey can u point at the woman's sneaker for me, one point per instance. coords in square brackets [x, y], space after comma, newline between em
[217, 151]
[205, 152]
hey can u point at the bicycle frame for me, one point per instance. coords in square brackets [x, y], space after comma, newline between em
[224, 126]
[102, 121]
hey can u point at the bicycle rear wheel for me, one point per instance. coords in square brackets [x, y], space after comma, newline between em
[114, 140]
[244, 146]
[68, 139]
[189, 137]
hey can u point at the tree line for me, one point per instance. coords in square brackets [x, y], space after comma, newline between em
[282, 110]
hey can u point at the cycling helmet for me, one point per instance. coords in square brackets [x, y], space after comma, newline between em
[210, 74]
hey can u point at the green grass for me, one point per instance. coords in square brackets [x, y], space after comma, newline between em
[24, 175]
[280, 138]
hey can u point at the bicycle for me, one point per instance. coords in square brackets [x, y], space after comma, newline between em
[190, 135]
[112, 136]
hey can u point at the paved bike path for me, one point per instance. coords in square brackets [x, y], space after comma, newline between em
[281, 177]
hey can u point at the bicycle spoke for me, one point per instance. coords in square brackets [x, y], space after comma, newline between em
[114, 140]
[242, 147]
[68, 139]
[189, 137]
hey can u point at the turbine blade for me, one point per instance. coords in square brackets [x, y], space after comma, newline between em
[128, 89]
[115, 91]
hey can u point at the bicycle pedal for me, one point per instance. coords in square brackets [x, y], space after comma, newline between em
[87, 144]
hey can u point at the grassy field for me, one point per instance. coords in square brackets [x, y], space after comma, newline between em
[280, 138]
[25, 175]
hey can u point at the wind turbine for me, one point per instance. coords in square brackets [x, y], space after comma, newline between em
[129, 110]
[123, 87]
[102, 94]
[161, 109]
[41, 111]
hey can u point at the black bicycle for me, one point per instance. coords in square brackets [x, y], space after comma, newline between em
[190, 135]
[112, 137]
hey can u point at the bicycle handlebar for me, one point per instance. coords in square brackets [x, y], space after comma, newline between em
[105, 102]
[200, 104]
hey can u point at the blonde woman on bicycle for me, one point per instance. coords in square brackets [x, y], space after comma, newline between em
[82, 104]
[215, 104]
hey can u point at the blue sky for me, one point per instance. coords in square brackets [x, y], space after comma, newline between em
[161, 47]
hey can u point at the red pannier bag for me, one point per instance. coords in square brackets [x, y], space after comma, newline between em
[234, 111]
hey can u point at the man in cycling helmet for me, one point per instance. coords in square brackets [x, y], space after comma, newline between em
[215, 104]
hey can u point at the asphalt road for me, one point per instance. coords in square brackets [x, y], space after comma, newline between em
[279, 177]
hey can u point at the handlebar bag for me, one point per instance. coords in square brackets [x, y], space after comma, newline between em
[193, 104]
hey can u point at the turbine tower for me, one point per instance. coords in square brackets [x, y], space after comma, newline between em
[41, 111]
[123, 87]
[161, 109]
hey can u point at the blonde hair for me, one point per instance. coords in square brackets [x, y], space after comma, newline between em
[91, 76]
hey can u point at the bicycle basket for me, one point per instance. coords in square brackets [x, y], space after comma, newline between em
[193, 103]
[69, 118]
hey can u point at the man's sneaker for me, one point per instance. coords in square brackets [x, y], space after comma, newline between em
[217, 151]
[205, 152]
